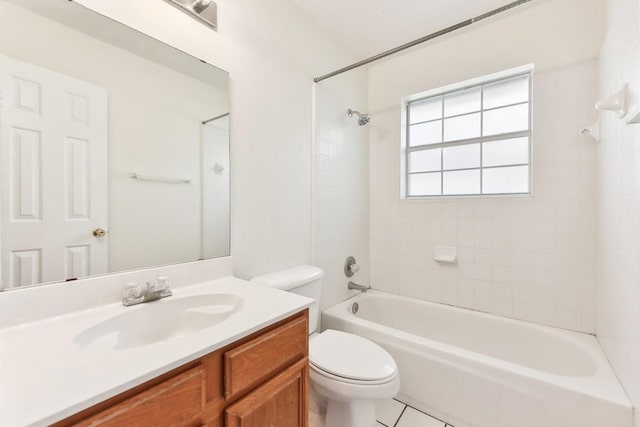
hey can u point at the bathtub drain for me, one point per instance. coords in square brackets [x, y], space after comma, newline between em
[354, 308]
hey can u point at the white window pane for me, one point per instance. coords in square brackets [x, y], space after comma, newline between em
[504, 120]
[425, 161]
[505, 180]
[462, 127]
[462, 182]
[461, 102]
[462, 157]
[426, 133]
[422, 111]
[506, 92]
[425, 184]
[507, 152]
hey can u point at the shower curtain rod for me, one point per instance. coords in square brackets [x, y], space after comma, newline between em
[215, 118]
[423, 39]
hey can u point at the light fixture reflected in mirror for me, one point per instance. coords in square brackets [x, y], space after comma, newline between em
[206, 11]
[199, 6]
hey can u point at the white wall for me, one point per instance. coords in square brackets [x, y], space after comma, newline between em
[549, 34]
[341, 214]
[619, 202]
[525, 257]
[272, 54]
[152, 109]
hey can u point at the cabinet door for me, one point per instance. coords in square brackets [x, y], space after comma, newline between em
[281, 402]
[178, 401]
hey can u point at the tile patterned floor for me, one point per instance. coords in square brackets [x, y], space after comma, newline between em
[390, 413]
[393, 413]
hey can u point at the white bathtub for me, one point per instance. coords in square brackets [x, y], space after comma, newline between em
[473, 369]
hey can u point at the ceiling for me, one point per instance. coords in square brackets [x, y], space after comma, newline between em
[368, 27]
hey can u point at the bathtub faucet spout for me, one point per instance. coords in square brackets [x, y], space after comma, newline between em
[356, 287]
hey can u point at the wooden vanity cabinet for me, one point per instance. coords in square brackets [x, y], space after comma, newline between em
[261, 380]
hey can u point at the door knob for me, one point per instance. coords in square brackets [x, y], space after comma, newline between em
[99, 232]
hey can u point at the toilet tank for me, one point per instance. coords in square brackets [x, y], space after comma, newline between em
[305, 280]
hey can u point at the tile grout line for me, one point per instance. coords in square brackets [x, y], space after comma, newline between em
[422, 412]
[401, 414]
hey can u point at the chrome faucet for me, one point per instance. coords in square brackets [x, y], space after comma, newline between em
[354, 286]
[153, 291]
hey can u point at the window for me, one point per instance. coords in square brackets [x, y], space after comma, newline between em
[470, 141]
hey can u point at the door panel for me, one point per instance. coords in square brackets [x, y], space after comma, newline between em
[77, 261]
[26, 148]
[77, 178]
[53, 142]
[25, 267]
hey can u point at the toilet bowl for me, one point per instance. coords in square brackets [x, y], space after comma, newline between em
[346, 371]
[350, 373]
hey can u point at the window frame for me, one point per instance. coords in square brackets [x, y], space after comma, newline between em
[443, 92]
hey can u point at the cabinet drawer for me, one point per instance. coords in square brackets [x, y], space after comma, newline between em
[178, 401]
[254, 362]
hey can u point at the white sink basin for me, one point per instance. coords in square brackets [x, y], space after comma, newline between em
[160, 320]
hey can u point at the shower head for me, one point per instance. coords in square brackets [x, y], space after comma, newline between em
[363, 119]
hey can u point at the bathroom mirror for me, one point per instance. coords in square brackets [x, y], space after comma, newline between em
[114, 148]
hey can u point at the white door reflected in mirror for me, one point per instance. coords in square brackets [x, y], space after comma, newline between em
[54, 137]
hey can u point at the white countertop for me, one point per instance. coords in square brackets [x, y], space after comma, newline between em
[45, 377]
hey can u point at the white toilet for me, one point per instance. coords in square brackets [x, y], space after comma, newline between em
[349, 371]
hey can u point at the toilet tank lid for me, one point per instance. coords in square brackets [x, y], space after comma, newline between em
[291, 277]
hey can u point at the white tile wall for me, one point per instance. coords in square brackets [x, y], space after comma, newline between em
[531, 258]
[341, 199]
[618, 157]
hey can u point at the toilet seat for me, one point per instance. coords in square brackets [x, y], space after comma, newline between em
[336, 378]
[350, 358]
